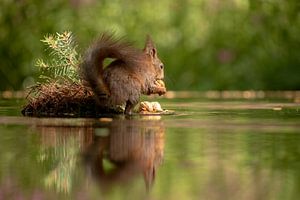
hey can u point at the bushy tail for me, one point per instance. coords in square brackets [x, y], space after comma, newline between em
[105, 47]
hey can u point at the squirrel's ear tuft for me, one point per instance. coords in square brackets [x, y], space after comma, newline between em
[150, 48]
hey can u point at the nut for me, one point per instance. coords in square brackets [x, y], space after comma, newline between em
[146, 106]
[152, 107]
[160, 83]
[156, 107]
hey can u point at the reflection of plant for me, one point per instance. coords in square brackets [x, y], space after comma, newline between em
[64, 58]
[61, 176]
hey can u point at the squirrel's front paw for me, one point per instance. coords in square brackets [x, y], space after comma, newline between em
[161, 91]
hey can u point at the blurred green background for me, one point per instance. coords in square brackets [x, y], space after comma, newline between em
[205, 44]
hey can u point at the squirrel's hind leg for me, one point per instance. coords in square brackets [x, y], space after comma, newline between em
[129, 107]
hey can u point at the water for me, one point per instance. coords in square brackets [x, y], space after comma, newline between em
[221, 149]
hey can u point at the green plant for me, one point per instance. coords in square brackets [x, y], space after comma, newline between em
[64, 59]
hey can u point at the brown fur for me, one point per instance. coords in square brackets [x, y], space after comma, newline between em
[132, 73]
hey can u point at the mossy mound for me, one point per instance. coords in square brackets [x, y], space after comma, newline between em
[64, 100]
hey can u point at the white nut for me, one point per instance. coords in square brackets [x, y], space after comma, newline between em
[156, 107]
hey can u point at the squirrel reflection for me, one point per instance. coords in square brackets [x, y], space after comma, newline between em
[125, 149]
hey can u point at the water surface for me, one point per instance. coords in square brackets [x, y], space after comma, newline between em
[221, 149]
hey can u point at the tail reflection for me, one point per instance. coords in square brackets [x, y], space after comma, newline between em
[125, 149]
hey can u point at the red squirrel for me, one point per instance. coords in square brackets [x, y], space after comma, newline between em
[132, 73]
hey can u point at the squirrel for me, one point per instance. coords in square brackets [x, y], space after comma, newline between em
[132, 72]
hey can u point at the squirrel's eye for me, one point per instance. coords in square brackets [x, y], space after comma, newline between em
[161, 66]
